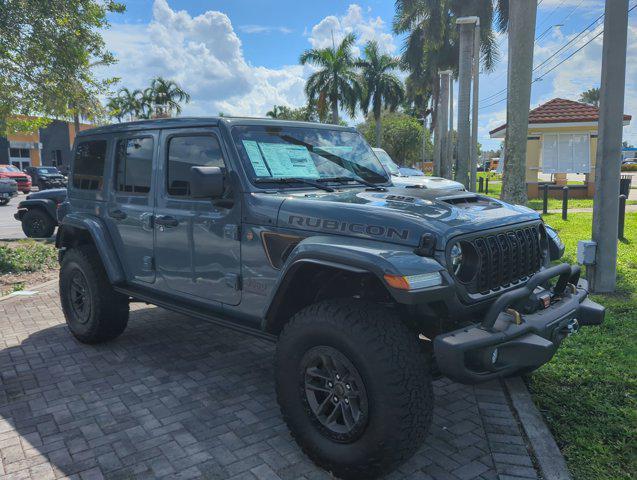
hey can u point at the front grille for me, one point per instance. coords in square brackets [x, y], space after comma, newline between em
[20, 179]
[506, 258]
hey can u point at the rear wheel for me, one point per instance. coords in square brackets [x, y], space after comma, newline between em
[354, 387]
[37, 224]
[94, 311]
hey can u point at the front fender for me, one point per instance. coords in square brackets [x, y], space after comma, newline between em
[363, 257]
[98, 232]
[45, 204]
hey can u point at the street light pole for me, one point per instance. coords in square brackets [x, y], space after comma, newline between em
[603, 274]
[474, 109]
[450, 143]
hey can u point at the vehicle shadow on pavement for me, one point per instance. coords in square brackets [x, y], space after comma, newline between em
[177, 396]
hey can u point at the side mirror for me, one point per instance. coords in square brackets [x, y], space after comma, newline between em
[206, 182]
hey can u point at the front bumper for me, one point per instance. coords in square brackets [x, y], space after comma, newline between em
[509, 340]
[53, 183]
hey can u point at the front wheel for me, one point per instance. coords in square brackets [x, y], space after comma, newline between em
[37, 224]
[354, 387]
[4, 201]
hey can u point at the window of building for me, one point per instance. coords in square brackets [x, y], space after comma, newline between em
[19, 153]
[566, 153]
[88, 168]
[187, 152]
[134, 165]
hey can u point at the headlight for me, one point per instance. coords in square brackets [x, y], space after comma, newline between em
[456, 258]
[414, 282]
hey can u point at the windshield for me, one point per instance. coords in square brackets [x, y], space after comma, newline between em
[270, 152]
[387, 162]
[48, 170]
[9, 169]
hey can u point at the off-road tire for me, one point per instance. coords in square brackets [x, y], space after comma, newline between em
[37, 224]
[108, 310]
[395, 372]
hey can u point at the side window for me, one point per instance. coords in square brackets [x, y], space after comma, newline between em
[134, 160]
[192, 151]
[88, 169]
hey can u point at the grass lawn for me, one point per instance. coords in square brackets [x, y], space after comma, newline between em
[587, 393]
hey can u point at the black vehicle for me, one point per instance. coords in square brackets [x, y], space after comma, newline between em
[46, 177]
[38, 212]
[8, 190]
[293, 232]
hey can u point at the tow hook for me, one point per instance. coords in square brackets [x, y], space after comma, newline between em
[570, 328]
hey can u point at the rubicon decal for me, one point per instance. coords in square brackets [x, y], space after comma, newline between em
[348, 227]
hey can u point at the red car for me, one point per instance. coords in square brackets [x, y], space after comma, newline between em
[23, 180]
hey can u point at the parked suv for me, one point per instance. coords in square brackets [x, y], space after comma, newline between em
[14, 173]
[46, 177]
[292, 232]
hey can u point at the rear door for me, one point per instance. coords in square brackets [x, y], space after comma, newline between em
[197, 245]
[129, 213]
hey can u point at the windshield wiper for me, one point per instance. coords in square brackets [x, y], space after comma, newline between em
[294, 180]
[374, 186]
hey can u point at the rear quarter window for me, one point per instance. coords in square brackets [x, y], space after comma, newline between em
[88, 166]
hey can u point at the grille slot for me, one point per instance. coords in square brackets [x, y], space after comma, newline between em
[506, 258]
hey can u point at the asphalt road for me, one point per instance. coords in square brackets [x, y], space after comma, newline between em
[10, 228]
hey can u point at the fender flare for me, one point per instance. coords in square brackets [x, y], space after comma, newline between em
[100, 237]
[48, 205]
[359, 257]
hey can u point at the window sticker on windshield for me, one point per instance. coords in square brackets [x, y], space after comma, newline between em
[256, 159]
[286, 160]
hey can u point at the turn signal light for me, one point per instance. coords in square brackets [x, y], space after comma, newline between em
[414, 282]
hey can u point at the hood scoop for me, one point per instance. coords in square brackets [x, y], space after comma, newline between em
[469, 200]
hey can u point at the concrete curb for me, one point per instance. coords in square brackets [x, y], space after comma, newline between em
[549, 458]
[38, 287]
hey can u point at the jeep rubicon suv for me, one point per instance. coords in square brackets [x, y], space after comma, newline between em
[293, 232]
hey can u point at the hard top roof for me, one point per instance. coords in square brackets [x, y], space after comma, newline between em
[185, 122]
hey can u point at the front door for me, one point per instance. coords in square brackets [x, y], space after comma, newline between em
[129, 213]
[197, 246]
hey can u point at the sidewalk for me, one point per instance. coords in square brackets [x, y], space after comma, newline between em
[175, 397]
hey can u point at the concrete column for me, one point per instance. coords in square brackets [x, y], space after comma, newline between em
[442, 118]
[466, 26]
[474, 109]
[603, 275]
[449, 160]
[522, 16]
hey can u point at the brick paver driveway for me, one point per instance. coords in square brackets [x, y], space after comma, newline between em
[175, 397]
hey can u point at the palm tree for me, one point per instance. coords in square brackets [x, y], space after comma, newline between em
[275, 112]
[381, 87]
[167, 95]
[335, 83]
[129, 103]
[431, 44]
[590, 96]
[116, 108]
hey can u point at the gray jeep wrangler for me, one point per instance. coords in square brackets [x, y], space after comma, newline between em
[293, 232]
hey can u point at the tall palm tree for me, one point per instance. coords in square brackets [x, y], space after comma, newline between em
[381, 87]
[130, 103]
[336, 82]
[167, 96]
[431, 44]
[116, 108]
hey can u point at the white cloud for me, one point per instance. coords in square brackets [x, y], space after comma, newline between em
[251, 28]
[204, 55]
[365, 26]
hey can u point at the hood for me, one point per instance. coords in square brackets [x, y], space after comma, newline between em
[398, 215]
[12, 174]
[426, 182]
[55, 194]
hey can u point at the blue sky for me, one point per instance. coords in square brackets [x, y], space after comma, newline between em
[241, 56]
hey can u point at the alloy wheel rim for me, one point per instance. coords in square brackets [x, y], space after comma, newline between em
[79, 297]
[334, 394]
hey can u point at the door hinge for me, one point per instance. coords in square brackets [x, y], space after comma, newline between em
[233, 280]
[231, 231]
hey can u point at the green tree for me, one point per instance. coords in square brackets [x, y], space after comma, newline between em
[431, 42]
[166, 97]
[401, 135]
[335, 83]
[47, 51]
[590, 96]
[380, 86]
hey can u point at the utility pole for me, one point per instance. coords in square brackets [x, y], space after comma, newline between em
[522, 16]
[450, 143]
[603, 274]
[466, 25]
[442, 115]
[474, 109]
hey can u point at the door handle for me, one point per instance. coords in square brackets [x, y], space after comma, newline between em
[166, 221]
[117, 214]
